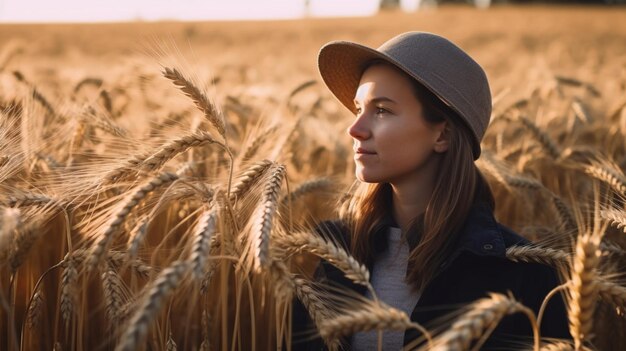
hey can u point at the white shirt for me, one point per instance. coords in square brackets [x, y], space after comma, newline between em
[388, 281]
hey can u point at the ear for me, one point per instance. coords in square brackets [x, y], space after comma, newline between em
[443, 140]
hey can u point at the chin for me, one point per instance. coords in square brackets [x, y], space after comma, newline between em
[366, 178]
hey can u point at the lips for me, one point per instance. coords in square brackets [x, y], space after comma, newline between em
[362, 151]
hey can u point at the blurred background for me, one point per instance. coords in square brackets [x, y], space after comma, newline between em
[148, 10]
[87, 78]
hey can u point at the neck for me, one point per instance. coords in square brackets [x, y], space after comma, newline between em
[410, 196]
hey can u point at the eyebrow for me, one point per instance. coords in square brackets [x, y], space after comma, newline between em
[378, 100]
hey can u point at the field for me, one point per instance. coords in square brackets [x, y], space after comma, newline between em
[159, 181]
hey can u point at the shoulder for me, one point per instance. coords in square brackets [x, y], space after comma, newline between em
[510, 237]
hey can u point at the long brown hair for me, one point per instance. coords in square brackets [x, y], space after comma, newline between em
[458, 186]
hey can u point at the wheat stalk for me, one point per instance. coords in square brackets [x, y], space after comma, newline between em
[107, 236]
[210, 110]
[159, 290]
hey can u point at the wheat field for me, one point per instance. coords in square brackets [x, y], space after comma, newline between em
[160, 182]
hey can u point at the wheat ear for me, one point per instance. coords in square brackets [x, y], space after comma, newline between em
[135, 239]
[549, 145]
[114, 297]
[316, 307]
[105, 239]
[557, 346]
[305, 188]
[177, 146]
[609, 175]
[499, 171]
[548, 256]
[10, 220]
[22, 243]
[611, 292]
[282, 280]
[372, 317]
[35, 310]
[583, 289]
[171, 344]
[210, 110]
[4, 160]
[92, 117]
[482, 317]
[262, 228]
[330, 252]
[160, 289]
[203, 234]
[69, 282]
[117, 259]
[248, 178]
[257, 143]
[616, 217]
[29, 199]
[577, 83]
[564, 212]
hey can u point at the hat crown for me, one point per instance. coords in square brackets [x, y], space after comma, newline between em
[446, 70]
[435, 62]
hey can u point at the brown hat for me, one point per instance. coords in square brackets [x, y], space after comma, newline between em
[435, 62]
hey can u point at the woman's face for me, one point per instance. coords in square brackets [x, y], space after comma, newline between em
[392, 140]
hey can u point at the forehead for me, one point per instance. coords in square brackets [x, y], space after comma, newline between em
[383, 80]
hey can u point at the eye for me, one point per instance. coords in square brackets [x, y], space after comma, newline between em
[357, 110]
[381, 110]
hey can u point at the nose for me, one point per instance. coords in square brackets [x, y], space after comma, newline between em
[359, 129]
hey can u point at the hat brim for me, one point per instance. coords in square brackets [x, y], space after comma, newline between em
[341, 64]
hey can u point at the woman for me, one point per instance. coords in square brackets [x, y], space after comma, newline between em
[422, 219]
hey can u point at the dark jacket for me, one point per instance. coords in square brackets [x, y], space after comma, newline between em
[477, 266]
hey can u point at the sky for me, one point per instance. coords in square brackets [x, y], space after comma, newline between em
[148, 10]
